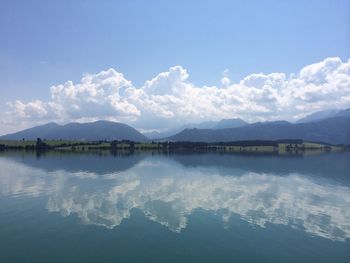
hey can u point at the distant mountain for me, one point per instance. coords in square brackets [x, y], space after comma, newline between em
[332, 130]
[230, 123]
[202, 125]
[155, 135]
[320, 115]
[343, 113]
[222, 124]
[99, 130]
[152, 134]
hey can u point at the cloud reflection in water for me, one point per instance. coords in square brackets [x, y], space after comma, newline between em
[167, 193]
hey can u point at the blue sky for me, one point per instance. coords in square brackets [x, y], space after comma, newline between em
[45, 43]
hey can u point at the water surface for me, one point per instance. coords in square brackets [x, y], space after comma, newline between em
[143, 207]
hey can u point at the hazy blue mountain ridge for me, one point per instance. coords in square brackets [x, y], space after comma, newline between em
[332, 130]
[335, 130]
[222, 124]
[320, 115]
[99, 130]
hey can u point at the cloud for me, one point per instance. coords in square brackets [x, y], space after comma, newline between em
[225, 81]
[98, 95]
[320, 208]
[170, 99]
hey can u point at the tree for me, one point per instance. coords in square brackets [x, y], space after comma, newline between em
[39, 143]
[114, 145]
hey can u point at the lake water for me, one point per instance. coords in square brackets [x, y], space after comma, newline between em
[143, 207]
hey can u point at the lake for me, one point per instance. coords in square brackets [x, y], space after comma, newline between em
[183, 207]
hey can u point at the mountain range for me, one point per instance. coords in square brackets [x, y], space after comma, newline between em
[320, 115]
[222, 124]
[99, 130]
[334, 130]
[331, 126]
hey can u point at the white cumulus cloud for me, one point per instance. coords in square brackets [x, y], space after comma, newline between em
[171, 99]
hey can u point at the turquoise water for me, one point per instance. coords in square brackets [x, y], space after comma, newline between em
[148, 207]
